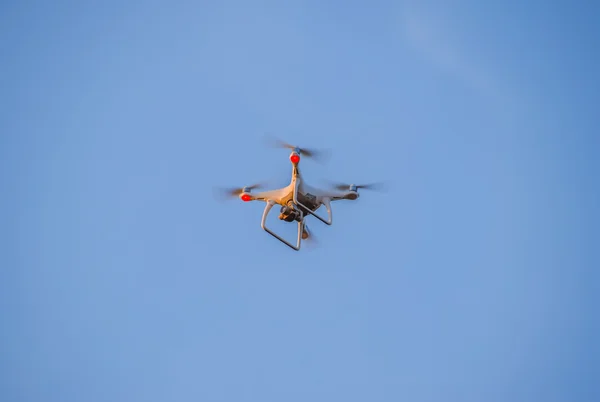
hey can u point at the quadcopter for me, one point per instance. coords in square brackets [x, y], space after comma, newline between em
[298, 199]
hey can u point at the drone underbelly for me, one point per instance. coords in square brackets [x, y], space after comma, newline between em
[309, 201]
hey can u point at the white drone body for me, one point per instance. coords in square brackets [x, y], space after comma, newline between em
[297, 201]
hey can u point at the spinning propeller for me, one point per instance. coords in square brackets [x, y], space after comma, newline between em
[354, 187]
[233, 192]
[312, 153]
[309, 238]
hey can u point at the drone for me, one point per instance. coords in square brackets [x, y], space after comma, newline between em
[298, 199]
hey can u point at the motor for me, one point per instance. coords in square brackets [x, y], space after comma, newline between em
[289, 214]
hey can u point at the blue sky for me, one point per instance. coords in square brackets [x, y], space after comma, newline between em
[470, 279]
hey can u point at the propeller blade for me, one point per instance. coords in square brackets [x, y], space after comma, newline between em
[319, 155]
[309, 237]
[275, 142]
[346, 186]
[372, 186]
[253, 186]
[232, 192]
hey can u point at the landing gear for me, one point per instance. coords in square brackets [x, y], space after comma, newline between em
[268, 207]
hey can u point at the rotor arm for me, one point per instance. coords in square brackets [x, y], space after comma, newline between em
[266, 195]
[336, 197]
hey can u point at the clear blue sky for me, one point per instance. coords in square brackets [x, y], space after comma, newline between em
[472, 279]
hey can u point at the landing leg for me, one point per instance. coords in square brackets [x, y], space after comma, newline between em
[296, 247]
